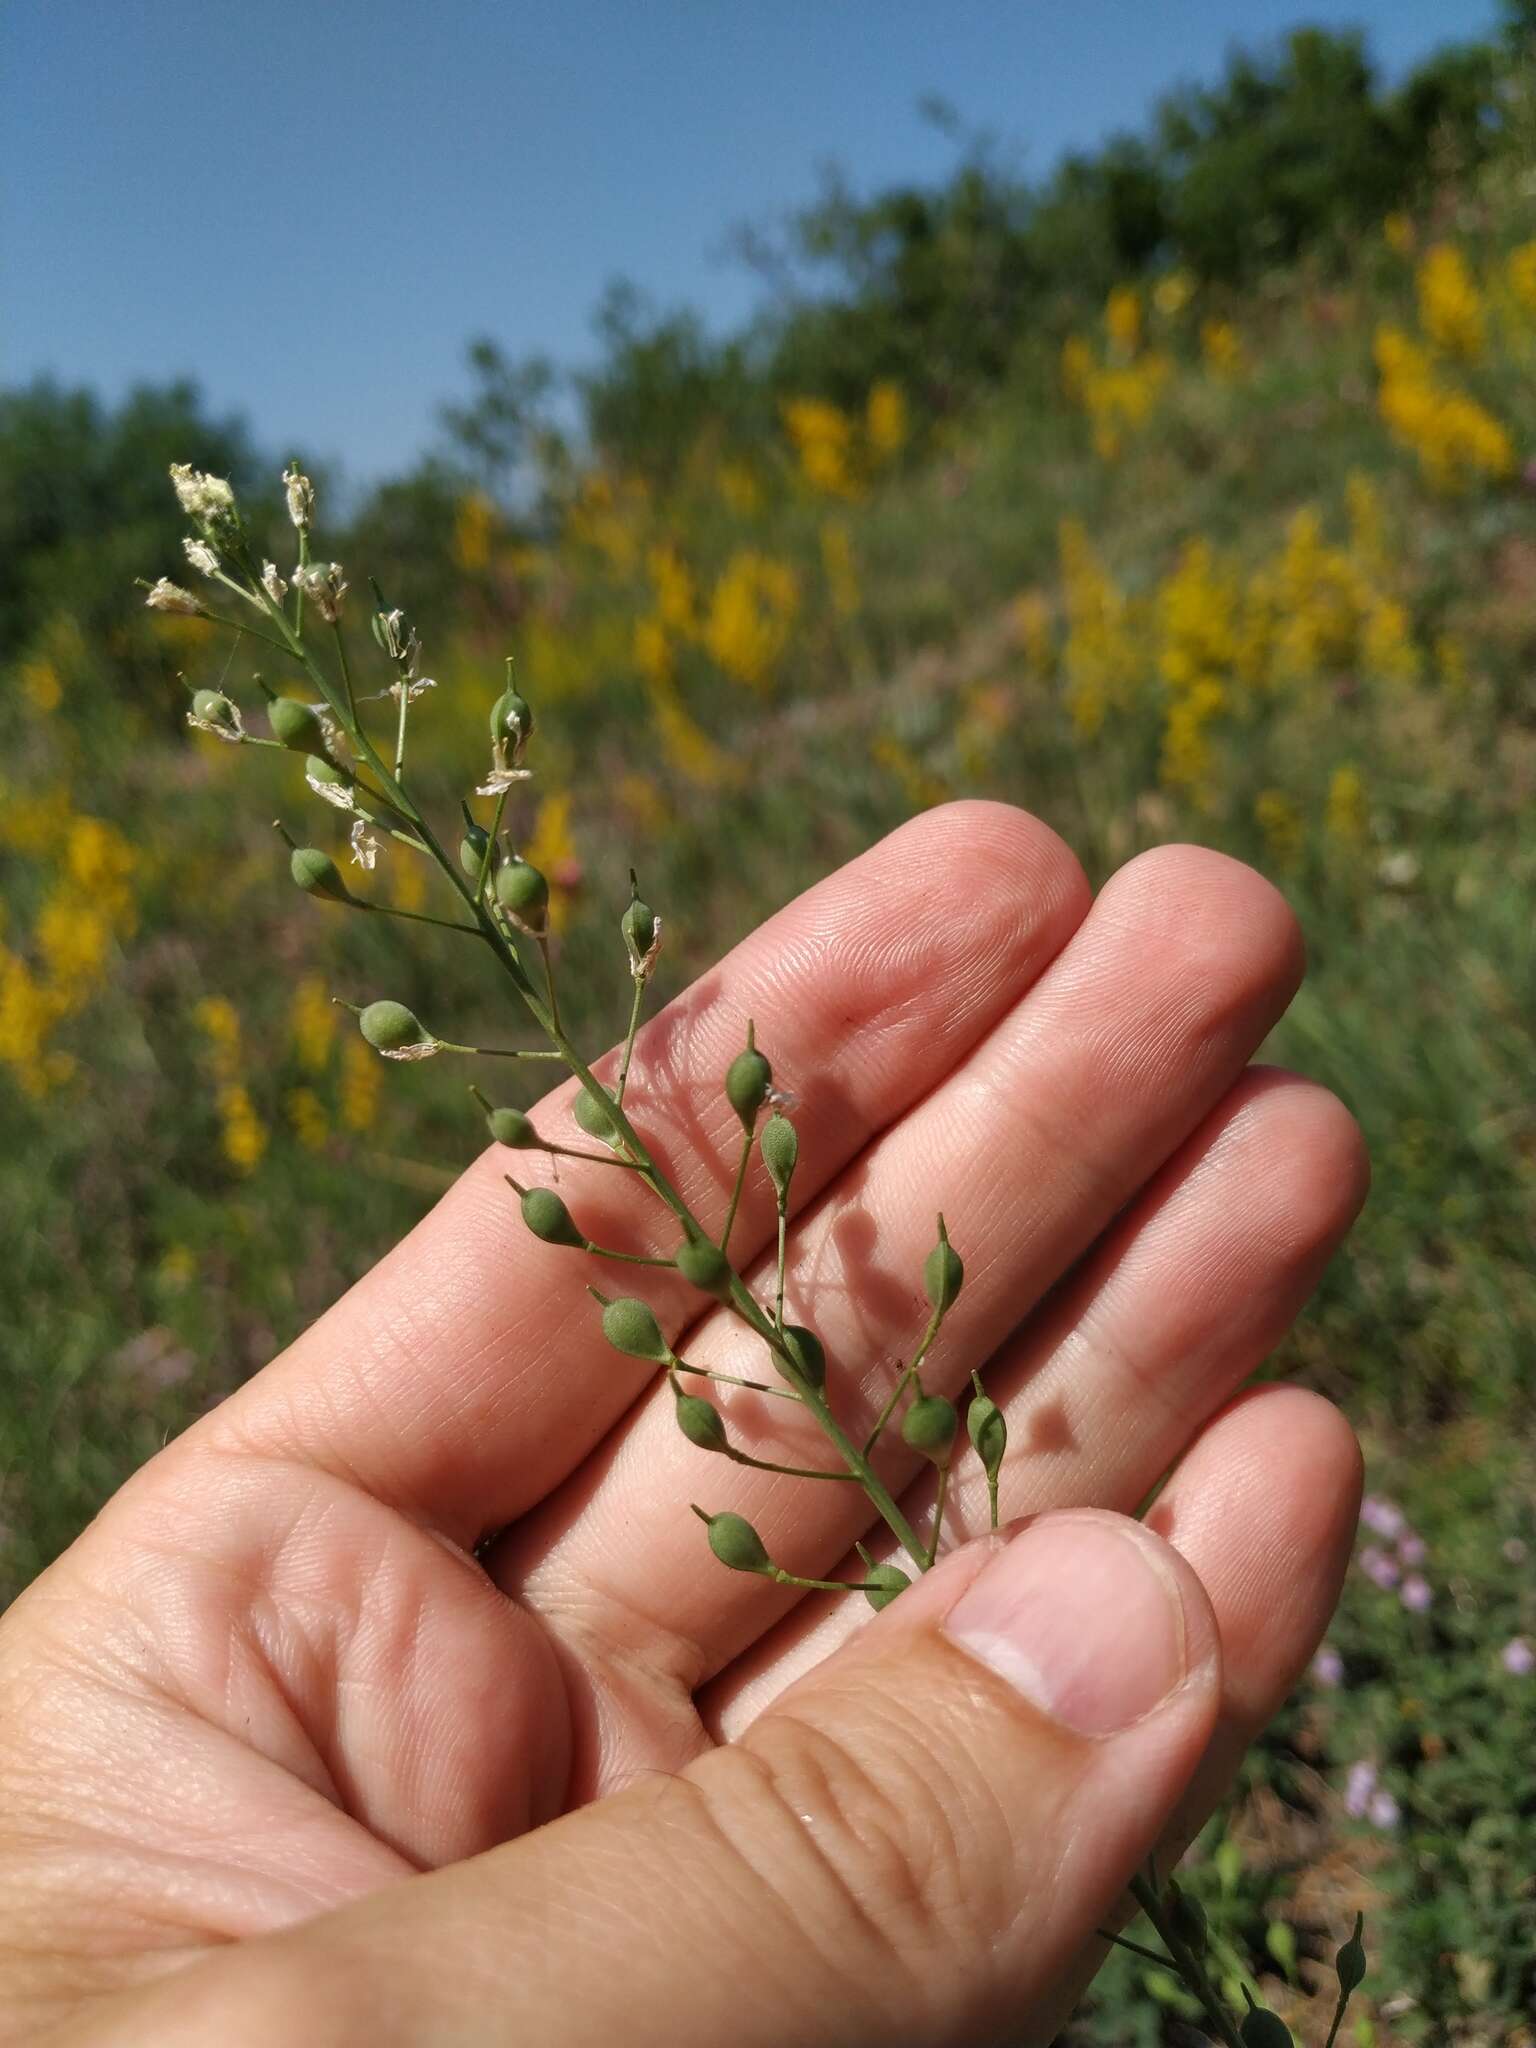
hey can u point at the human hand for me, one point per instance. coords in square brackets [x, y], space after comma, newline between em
[281, 1760]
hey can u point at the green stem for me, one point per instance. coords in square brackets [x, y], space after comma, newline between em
[778, 1313]
[490, 846]
[629, 1038]
[789, 1471]
[938, 1515]
[935, 1322]
[784, 1578]
[405, 701]
[1148, 1954]
[731, 1379]
[741, 1177]
[549, 977]
[346, 677]
[1186, 1961]
[447, 924]
[601, 1251]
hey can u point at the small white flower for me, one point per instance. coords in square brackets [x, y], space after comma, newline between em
[301, 496]
[166, 596]
[205, 498]
[415, 687]
[272, 583]
[323, 584]
[201, 556]
[365, 848]
[502, 778]
[338, 793]
[643, 965]
[423, 1051]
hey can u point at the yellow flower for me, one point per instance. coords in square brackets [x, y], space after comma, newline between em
[653, 651]
[1520, 273]
[306, 1114]
[687, 746]
[244, 1135]
[312, 1024]
[360, 1074]
[672, 581]
[1221, 348]
[885, 419]
[1123, 319]
[1347, 817]
[178, 1268]
[1101, 656]
[407, 883]
[1450, 305]
[823, 441]
[1032, 624]
[1171, 294]
[552, 851]
[1455, 439]
[751, 612]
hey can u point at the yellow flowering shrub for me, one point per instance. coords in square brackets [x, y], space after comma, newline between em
[1451, 310]
[1123, 321]
[1456, 440]
[1220, 348]
[1347, 817]
[886, 425]
[1101, 655]
[823, 440]
[751, 611]
[1520, 277]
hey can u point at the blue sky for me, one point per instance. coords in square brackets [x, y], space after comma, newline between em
[310, 207]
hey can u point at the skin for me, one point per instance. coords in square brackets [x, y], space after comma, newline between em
[277, 1752]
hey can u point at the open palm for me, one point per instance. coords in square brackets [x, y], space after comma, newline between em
[286, 1668]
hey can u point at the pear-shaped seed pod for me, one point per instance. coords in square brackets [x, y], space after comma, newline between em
[593, 1118]
[700, 1422]
[472, 847]
[1350, 1961]
[391, 1027]
[294, 725]
[780, 1146]
[512, 718]
[548, 1217]
[882, 1584]
[943, 1272]
[929, 1427]
[804, 1347]
[706, 1266]
[735, 1542]
[214, 708]
[1265, 2029]
[639, 926]
[317, 874]
[320, 773]
[747, 1081]
[631, 1327]
[511, 1127]
[988, 1431]
[523, 891]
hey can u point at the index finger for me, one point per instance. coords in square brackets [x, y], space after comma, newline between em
[467, 1374]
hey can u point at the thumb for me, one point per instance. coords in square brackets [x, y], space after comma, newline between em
[912, 1846]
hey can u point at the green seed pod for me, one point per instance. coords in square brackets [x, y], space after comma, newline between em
[593, 1118]
[294, 725]
[804, 1347]
[988, 1430]
[943, 1272]
[548, 1217]
[214, 708]
[747, 1081]
[317, 874]
[512, 719]
[1186, 1916]
[736, 1543]
[391, 1027]
[706, 1266]
[1350, 1962]
[780, 1146]
[318, 769]
[929, 1427]
[510, 1127]
[883, 1583]
[630, 1327]
[640, 925]
[1265, 2029]
[523, 891]
[700, 1422]
[472, 847]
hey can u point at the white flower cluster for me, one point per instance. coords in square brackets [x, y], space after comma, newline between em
[207, 499]
[322, 584]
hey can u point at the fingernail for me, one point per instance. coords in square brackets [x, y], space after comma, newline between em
[1082, 1617]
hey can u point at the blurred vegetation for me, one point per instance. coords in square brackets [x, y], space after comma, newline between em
[1188, 495]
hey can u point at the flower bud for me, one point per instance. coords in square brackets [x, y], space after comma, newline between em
[1265, 2029]
[392, 1028]
[593, 1118]
[943, 1272]
[883, 1583]
[706, 1266]
[523, 893]
[548, 1218]
[780, 1147]
[988, 1430]
[300, 493]
[632, 1328]
[735, 1542]
[511, 1128]
[747, 1081]
[700, 1422]
[294, 725]
[929, 1427]
[804, 1347]
[318, 875]
[1350, 1962]
[166, 596]
[512, 721]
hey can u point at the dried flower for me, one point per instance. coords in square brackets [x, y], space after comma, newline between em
[322, 583]
[213, 712]
[166, 596]
[207, 499]
[272, 583]
[365, 847]
[202, 557]
[331, 783]
[301, 496]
